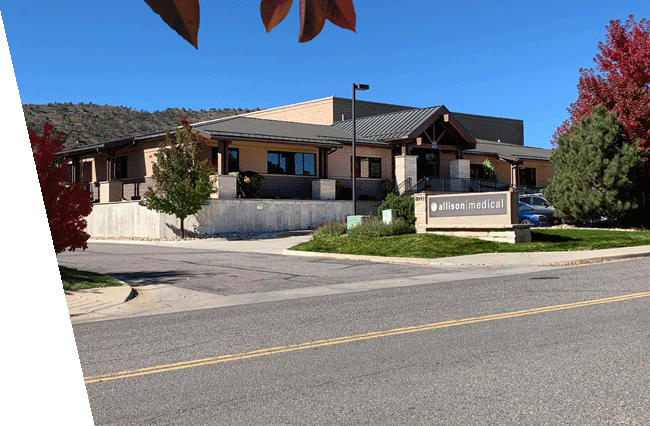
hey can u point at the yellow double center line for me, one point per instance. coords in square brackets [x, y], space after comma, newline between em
[355, 338]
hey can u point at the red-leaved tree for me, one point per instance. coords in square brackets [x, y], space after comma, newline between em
[620, 82]
[66, 204]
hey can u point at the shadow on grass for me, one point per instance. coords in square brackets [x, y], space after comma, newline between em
[538, 237]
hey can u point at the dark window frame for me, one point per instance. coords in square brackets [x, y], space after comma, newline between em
[121, 168]
[291, 163]
[527, 176]
[371, 160]
[233, 164]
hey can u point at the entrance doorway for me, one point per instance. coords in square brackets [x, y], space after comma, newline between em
[428, 162]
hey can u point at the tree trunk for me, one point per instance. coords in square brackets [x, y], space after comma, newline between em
[182, 229]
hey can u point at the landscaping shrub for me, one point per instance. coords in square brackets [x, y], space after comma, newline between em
[404, 204]
[375, 227]
[330, 229]
[249, 184]
[387, 187]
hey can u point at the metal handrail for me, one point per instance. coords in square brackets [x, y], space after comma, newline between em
[451, 185]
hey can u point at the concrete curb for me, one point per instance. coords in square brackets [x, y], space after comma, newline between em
[537, 258]
[598, 259]
[102, 303]
[94, 303]
[378, 259]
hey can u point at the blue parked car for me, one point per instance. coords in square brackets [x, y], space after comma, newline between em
[529, 215]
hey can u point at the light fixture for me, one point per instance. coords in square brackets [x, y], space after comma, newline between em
[355, 87]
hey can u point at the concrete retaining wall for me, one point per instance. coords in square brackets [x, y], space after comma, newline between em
[129, 219]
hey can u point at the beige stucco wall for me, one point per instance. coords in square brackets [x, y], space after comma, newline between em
[543, 171]
[140, 160]
[88, 170]
[253, 156]
[325, 111]
[339, 161]
[500, 167]
[136, 159]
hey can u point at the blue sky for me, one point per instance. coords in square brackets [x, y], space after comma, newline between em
[501, 58]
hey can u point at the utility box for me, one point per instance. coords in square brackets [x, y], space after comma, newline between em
[356, 220]
[388, 215]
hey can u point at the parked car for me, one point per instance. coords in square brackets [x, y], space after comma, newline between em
[536, 200]
[529, 215]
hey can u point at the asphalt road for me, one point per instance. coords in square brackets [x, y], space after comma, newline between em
[556, 347]
[223, 272]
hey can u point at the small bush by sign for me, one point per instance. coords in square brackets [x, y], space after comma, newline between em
[331, 229]
[375, 227]
[404, 205]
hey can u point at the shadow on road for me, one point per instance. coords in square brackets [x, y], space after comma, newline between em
[139, 279]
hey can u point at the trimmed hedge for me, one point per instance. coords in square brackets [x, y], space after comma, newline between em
[404, 204]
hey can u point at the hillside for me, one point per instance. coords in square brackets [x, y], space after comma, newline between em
[97, 123]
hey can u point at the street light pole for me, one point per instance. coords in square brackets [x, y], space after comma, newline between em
[355, 87]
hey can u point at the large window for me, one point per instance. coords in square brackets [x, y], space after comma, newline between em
[291, 163]
[368, 167]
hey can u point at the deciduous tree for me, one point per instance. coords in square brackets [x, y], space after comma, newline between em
[594, 169]
[182, 177]
[66, 204]
[620, 82]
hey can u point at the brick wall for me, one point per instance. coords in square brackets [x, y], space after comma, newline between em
[318, 111]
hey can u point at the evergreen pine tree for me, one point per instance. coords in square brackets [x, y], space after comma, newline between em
[594, 169]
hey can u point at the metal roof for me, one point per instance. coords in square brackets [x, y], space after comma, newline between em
[249, 128]
[255, 129]
[509, 150]
[390, 126]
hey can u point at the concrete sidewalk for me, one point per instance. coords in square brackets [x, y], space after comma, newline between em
[100, 303]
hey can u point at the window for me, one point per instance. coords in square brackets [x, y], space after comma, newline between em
[233, 160]
[527, 176]
[368, 167]
[535, 201]
[291, 163]
[120, 167]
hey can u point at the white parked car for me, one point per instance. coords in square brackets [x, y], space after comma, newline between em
[536, 200]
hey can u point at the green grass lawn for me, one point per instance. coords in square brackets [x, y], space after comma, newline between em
[76, 280]
[434, 246]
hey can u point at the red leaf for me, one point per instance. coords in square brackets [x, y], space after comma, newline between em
[273, 12]
[341, 13]
[314, 12]
[181, 15]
